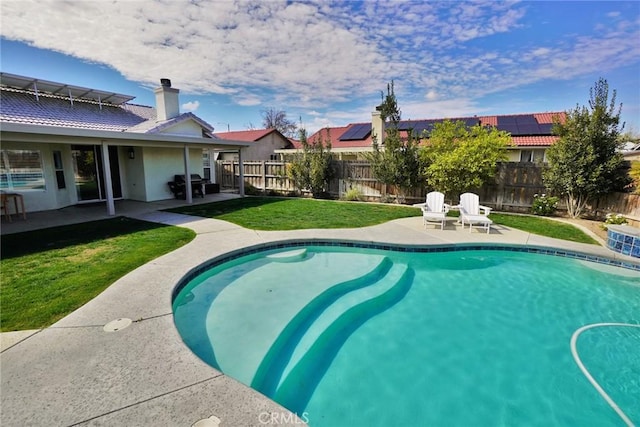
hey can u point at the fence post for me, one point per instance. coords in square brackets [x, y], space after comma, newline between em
[502, 174]
[264, 176]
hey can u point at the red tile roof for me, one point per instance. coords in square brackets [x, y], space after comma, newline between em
[246, 135]
[538, 140]
[525, 141]
[334, 134]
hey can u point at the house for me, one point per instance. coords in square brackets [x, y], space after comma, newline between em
[530, 134]
[264, 143]
[631, 150]
[64, 145]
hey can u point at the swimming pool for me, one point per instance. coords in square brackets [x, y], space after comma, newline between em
[345, 334]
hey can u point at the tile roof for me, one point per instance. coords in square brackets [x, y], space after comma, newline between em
[518, 140]
[334, 134]
[246, 135]
[537, 140]
[22, 107]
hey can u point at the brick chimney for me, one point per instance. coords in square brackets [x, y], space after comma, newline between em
[377, 126]
[167, 103]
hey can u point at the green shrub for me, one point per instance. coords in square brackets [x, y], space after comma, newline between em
[250, 190]
[544, 205]
[615, 219]
[353, 195]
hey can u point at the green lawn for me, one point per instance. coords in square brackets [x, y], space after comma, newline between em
[48, 273]
[543, 227]
[272, 213]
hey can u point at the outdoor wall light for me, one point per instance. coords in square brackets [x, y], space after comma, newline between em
[132, 153]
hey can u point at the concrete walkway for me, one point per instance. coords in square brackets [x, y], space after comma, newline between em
[77, 373]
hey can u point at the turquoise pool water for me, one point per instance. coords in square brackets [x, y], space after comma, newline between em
[368, 337]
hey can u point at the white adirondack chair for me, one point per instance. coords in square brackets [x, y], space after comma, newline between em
[470, 208]
[435, 209]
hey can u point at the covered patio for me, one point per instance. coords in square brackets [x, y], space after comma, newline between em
[96, 211]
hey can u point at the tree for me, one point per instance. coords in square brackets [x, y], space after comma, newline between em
[311, 169]
[584, 163]
[460, 159]
[277, 119]
[395, 161]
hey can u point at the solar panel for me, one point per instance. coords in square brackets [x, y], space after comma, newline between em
[545, 128]
[511, 128]
[528, 129]
[356, 132]
[407, 124]
[471, 121]
[506, 120]
[64, 90]
[346, 135]
[362, 131]
[528, 119]
[422, 126]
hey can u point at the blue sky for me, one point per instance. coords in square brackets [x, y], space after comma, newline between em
[326, 63]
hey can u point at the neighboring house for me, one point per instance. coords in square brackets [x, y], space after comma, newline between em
[530, 134]
[64, 145]
[264, 143]
[631, 150]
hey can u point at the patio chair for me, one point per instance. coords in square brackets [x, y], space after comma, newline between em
[470, 208]
[435, 209]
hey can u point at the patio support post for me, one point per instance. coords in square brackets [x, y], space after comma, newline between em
[108, 186]
[187, 176]
[241, 173]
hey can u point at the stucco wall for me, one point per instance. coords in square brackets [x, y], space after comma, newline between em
[132, 172]
[51, 197]
[161, 164]
[187, 128]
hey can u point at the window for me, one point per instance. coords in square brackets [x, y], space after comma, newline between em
[21, 170]
[206, 164]
[531, 156]
[57, 164]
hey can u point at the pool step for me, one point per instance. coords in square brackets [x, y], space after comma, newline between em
[324, 338]
[288, 256]
[267, 304]
[345, 303]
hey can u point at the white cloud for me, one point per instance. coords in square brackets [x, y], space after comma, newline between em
[450, 108]
[317, 54]
[247, 100]
[191, 106]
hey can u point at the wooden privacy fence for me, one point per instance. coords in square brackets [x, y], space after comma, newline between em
[513, 190]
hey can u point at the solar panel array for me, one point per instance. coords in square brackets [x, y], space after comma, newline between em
[523, 125]
[356, 132]
[419, 126]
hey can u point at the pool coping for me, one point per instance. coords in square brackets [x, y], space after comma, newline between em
[75, 373]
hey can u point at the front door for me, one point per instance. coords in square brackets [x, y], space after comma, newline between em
[89, 172]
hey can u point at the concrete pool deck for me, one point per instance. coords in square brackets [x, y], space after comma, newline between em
[75, 373]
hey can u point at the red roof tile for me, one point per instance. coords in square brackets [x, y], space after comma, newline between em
[245, 135]
[538, 140]
[548, 117]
